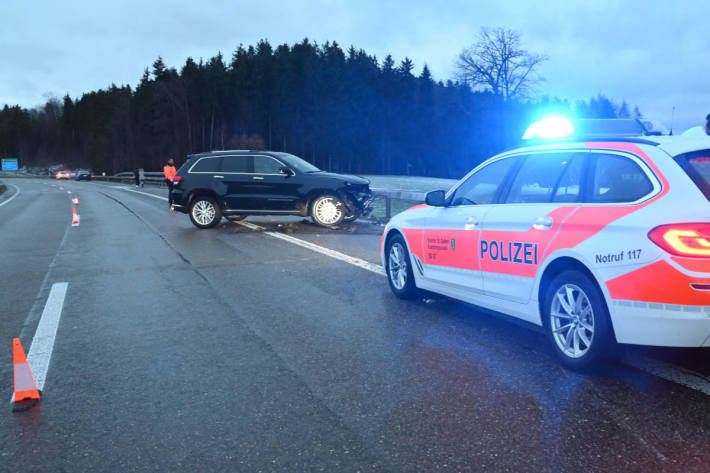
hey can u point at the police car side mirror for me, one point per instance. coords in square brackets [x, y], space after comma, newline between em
[286, 171]
[436, 198]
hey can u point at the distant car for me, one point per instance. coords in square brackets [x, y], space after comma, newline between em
[241, 183]
[598, 239]
[63, 175]
[83, 175]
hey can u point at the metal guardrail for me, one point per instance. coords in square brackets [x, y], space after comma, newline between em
[388, 195]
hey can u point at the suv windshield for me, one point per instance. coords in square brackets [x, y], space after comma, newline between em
[299, 164]
[697, 166]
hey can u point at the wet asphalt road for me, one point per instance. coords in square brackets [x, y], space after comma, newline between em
[230, 350]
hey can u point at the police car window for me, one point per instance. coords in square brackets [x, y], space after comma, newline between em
[266, 165]
[481, 187]
[537, 178]
[237, 164]
[206, 165]
[618, 179]
[569, 187]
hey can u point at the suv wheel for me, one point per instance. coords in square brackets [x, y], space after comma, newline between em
[327, 211]
[204, 212]
[398, 268]
[576, 320]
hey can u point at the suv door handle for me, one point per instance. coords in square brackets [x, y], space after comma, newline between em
[218, 177]
[543, 223]
[258, 178]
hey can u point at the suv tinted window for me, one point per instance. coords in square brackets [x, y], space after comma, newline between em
[206, 165]
[240, 164]
[482, 186]
[541, 174]
[618, 179]
[266, 165]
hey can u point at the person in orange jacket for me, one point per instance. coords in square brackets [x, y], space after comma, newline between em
[169, 171]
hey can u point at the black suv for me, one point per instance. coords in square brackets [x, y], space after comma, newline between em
[240, 183]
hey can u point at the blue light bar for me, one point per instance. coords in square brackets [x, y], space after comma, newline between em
[549, 128]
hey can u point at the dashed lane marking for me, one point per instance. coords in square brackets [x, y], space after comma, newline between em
[43, 341]
[17, 192]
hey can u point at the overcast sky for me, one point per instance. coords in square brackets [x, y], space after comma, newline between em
[654, 53]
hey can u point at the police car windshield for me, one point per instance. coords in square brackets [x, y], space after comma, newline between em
[297, 163]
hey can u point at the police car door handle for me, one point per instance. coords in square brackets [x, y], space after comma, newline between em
[543, 223]
[218, 177]
[258, 178]
[471, 223]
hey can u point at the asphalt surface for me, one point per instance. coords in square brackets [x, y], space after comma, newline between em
[231, 350]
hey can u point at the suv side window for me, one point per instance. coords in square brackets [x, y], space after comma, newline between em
[237, 164]
[482, 186]
[206, 165]
[541, 177]
[618, 179]
[266, 165]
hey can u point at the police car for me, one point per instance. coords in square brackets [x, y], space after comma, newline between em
[598, 239]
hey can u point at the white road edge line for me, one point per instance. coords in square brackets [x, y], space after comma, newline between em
[360, 263]
[670, 372]
[43, 341]
[139, 192]
[17, 192]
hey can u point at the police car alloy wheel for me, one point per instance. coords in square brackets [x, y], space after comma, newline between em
[205, 213]
[327, 211]
[399, 269]
[576, 320]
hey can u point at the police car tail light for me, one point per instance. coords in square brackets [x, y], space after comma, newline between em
[683, 239]
[177, 179]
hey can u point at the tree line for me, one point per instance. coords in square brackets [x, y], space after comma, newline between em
[342, 110]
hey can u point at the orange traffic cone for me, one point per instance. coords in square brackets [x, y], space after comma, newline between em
[26, 393]
[75, 200]
[75, 217]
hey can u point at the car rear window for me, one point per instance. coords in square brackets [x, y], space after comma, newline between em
[697, 166]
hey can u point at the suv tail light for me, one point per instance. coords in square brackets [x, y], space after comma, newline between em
[176, 179]
[683, 239]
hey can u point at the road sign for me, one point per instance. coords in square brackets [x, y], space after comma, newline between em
[9, 164]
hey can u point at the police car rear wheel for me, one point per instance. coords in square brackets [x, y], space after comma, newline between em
[576, 320]
[399, 269]
[205, 213]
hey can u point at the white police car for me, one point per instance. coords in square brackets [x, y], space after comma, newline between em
[597, 239]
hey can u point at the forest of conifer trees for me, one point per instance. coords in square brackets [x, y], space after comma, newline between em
[343, 110]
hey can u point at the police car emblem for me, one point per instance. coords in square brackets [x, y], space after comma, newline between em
[453, 244]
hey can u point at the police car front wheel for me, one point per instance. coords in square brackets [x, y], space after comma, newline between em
[399, 269]
[205, 212]
[576, 320]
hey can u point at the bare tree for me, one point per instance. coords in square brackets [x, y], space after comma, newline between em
[497, 62]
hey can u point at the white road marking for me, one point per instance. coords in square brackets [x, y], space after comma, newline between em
[68, 192]
[17, 192]
[360, 263]
[139, 192]
[43, 341]
[670, 372]
[661, 369]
